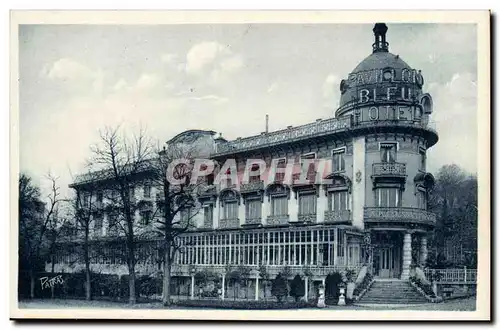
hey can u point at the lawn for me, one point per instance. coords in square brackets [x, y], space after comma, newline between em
[465, 304]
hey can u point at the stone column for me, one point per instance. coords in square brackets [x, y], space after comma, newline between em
[192, 286]
[265, 209]
[241, 212]
[223, 286]
[405, 274]
[306, 287]
[257, 288]
[293, 207]
[423, 250]
[321, 206]
[216, 214]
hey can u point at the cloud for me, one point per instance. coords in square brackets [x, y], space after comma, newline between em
[147, 82]
[75, 73]
[213, 59]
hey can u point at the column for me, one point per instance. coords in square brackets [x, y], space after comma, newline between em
[192, 286]
[405, 274]
[306, 287]
[105, 224]
[321, 206]
[215, 216]
[256, 288]
[293, 207]
[268, 247]
[241, 212]
[265, 209]
[223, 286]
[423, 250]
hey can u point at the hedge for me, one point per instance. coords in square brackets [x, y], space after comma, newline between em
[249, 304]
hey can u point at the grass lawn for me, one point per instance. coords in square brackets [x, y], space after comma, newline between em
[465, 304]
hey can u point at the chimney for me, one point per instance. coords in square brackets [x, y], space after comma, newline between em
[267, 123]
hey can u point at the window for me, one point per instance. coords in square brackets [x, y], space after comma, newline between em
[388, 152]
[208, 216]
[338, 200]
[253, 209]
[338, 162]
[388, 197]
[421, 199]
[132, 194]
[86, 200]
[279, 205]
[146, 217]
[307, 203]
[254, 169]
[281, 163]
[231, 210]
[147, 190]
[311, 170]
[422, 160]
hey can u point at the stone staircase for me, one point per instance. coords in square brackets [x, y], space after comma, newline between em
[392, 292]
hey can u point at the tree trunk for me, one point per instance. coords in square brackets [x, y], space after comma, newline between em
[32, 284]
[52, 274]
[167, 267]
[131, 284]
[88, 288]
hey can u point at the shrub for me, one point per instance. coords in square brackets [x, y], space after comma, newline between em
[363, 285]
[297, 288]
[251, 304]
[279, 288]
[427, 288]
[332, 290]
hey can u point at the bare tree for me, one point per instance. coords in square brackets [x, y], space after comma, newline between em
[122, 160]
[178, 204]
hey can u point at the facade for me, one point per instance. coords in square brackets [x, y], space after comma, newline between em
[369, 208]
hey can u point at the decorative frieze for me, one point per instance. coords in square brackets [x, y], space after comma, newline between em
[389, 169]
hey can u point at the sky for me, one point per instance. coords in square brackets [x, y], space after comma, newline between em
[77, 79]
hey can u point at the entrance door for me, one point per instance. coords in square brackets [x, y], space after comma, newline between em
[386, 262]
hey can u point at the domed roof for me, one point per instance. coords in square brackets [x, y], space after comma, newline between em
[381, 60]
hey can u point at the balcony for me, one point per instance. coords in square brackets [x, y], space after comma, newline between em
[277, 220]
[229, 223]
[252, 186]
[394, 170]
[399, 215]
[340, 216]
[306, 217]
[253, 222]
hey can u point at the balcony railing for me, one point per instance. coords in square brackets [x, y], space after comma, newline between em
[453, 275]
[399, 214]
[389, 169]
[306, 217]
[229, 223]
[317, 128]
[252, 186]
[277, 220]
[253, 221]
[338, 216]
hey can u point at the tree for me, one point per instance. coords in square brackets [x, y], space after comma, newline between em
[35, 218]
[86, 206]
[123, 160]
[178, 204]
[297, 288]
[279, 288]
[454, 200]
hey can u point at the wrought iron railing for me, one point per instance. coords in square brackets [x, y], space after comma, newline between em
[389, 169]
[399, 214]
[453, 275]
[338, 216]
[229, 223]
[276, 220]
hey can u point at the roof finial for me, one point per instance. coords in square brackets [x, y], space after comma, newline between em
[380, 45]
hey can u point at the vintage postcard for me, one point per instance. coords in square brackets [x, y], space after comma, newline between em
[250, 165]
